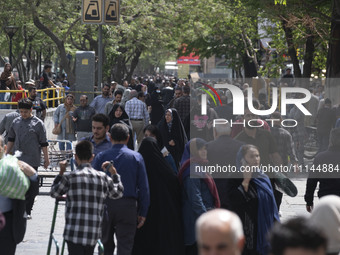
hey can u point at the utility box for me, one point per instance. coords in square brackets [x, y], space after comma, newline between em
[85, 74]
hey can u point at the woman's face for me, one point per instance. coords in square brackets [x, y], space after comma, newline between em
[202, 153]
[69, 100]
[8, 67]
[252, 157]
[118, 112]
[147, 133]
[168, 117]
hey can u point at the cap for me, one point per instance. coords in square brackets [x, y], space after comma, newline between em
[30, 82]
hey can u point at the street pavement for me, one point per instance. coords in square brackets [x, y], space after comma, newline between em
[38, 228]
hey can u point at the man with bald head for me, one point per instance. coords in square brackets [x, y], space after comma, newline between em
[219, 232]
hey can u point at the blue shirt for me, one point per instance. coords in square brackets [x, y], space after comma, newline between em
[102, 146]
[131, 168]
[99, 103]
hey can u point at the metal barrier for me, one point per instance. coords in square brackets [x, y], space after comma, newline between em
[59, 89]
[61, 96]
[52, 237]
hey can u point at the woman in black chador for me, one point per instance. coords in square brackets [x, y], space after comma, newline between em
[162, 231]
[173, 134]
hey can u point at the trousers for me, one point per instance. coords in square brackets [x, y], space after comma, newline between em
[120, 219]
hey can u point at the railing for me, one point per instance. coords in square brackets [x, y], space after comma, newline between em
[41, 91]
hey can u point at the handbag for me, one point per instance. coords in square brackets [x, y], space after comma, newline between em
[57, 129]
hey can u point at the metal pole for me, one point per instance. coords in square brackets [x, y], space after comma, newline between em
[100, 56]
[10, 50]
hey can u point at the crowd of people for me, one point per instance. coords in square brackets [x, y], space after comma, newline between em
[149, 137]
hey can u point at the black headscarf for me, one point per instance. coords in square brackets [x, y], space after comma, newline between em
[173, 131]
[164, 215]
[124, 119]
[124, 114]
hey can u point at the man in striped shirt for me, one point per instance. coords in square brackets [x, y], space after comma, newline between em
[138, 114]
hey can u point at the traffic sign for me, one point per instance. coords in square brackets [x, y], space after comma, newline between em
[111, 12]
[92, 11]
[104, 12]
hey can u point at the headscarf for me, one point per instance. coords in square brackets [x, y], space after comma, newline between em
[169, 123]
[151, 153]
[194, 146]
[7, 76]
[124, 115]
[267, 211]
[326, 216]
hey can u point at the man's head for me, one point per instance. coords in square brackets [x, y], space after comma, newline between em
[118, 95]
[83, 100]
[141, 96]
[186, 90]
[178, 92]
[221, 129]
[328, 103]
[219, 232]
[100, 126]
[297, 237]
[277, 117]
[288, 70]
[84, 152]
[106, 90]
[126, 84]
[47, 68]
[25, 108]
[119, 133]
[113, 85]
[32, 92]
[133, 93]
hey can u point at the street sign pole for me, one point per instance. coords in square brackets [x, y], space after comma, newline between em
[100, 12]
[100, 56]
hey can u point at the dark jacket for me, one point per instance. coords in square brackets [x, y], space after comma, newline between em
[329, 180]
[223, 151]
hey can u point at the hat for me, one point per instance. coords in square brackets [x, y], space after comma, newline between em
[112, 82]
[30, 82]
[65, 82]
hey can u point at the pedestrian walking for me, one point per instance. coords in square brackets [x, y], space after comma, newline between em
[86, 190]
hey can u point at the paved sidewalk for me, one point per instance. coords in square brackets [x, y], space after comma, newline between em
[38, 229]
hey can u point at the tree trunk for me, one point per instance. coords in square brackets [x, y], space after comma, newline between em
[134, 64]
[249, 67]
[333, 63]
[61, 47]
[291, 49]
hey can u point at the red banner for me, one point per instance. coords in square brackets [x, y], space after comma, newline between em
[189, 60]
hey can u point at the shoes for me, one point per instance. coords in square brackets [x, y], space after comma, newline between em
[29, 217]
